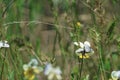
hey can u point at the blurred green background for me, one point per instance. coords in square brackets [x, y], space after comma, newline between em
[49, 28]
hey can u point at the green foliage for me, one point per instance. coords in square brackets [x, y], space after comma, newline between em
[111, 29]
[47, 29]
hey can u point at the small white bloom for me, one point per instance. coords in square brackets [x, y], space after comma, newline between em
[84, 48]
[53, 72]
[115, 75]
[4, 44]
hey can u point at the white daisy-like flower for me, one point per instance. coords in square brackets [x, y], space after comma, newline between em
[52, 72]
[115, 75]
[31, 69]
[4, 44]
[84, 49]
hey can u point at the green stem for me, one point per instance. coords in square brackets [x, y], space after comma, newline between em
[80, 67]
[3, 65]
[101, 60]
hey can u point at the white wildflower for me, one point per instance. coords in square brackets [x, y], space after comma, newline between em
[4, 44]
[115, 75]
[53, 72]
[84, 49]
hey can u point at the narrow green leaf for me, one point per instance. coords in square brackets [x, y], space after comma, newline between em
[111, 29]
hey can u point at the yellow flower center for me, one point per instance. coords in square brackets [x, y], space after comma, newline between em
[29, 74]
[84, 56]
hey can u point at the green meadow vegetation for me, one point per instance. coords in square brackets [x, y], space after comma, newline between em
[59, 39]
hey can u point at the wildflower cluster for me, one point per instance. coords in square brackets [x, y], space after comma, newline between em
[85, 50]
[32, 68]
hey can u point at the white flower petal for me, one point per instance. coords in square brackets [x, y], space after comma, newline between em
[87, 48]
[76, 43]
[59, 77]
[1, 44]
[81, 44]
[115, 74]
[118, 74]
[25, 67]
[50, 76]
[79, 50]
[48, 69]
[33, 62]
[87, 43]
[58, 71]
[52, 72]
[4, 44]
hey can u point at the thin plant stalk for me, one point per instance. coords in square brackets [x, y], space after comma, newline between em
[3, 63]
[101, 61]
[80, 66]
